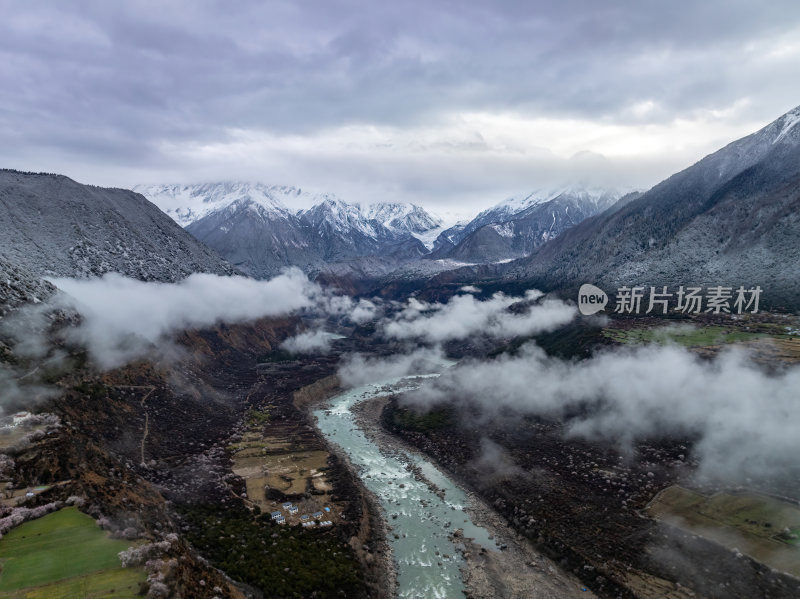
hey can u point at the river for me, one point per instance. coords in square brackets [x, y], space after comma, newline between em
[420, 521]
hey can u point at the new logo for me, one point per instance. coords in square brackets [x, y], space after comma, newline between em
[591, 299]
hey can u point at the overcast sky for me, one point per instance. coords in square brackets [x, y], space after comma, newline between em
[448, 104]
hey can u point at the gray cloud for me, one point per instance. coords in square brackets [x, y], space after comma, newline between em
[122, 319]
[343, 306]
[118, 320]
[363, 311]
[148, 92]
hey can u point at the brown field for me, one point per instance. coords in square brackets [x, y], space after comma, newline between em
[10, 435]
[270, 462]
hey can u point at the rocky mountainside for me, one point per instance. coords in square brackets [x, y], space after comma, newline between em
[343, 230]
[52, 226]
[519, 225]
[18, 287]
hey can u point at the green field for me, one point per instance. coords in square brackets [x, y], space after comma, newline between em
[64, 554]
[685, 335]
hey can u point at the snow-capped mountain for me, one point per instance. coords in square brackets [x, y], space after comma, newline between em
[189, 203]
[407, 218]
[336, 216]
[344, 231]
[516, 226]
[261, 229]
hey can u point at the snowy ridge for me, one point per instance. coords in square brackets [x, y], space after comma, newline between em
[189, 203]
[511, 207]
[262, 228]
[731, 215]
[585, 201]
[503, 229]
[747, 151]
[516, 204]
[407, 218]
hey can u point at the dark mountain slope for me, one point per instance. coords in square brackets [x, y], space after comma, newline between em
[51, 225]
[730, 219]
[258, 241]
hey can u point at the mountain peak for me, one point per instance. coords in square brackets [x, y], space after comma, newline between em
[786, 123]
[189, 203]
[403, 217]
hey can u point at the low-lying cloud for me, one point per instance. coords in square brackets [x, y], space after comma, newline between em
[15, 394]
[123, 317]
[343, 306]
[745, 420]
[309, 342]
[493, 464]
[464, 316]
[358, 369]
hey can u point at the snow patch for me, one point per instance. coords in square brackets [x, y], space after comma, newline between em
[504, 230]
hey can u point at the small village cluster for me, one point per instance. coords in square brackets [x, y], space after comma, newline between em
[16, 419]
[306, 520]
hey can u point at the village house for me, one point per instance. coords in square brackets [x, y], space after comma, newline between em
[21, 417]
